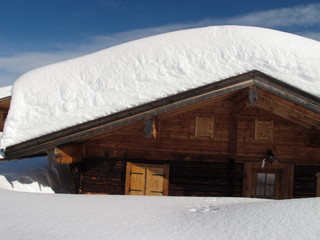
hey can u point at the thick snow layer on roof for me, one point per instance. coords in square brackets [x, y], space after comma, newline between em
[75, 91]
[5, 92]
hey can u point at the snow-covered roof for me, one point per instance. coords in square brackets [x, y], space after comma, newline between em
[71, 92]
[5, 92]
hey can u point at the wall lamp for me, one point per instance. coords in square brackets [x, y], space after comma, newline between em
[271, 158]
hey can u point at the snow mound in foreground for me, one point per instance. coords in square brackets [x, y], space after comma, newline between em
[34, 175]
[59, 216]
[75, 91]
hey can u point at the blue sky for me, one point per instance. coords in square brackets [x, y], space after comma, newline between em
[34, 33]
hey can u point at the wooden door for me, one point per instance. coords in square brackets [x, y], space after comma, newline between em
[143, 179]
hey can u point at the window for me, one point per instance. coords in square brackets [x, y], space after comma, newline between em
[274, 181]
[264, 130]
[204, 127]
[265, 186]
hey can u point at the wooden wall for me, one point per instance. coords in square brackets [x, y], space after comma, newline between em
[305, 181]
[107, 175]
[291, 142]
[200, 166]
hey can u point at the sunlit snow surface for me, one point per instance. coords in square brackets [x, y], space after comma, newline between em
[38, 216]
[75, 91]
[59, 216]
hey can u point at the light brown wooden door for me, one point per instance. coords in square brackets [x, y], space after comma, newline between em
[142, 179]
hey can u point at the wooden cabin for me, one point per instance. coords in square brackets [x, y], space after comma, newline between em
[247, 136]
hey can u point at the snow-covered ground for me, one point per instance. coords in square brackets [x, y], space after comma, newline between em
[60, 216]
[38, 216]
[72, 92]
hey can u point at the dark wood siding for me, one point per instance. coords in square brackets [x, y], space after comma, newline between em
[305, 181]
[101, 175]
[201, 165]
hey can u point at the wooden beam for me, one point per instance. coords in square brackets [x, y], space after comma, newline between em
[287, 113]
[68, 154]
[253, 96]
[233, 138]
[240, 102]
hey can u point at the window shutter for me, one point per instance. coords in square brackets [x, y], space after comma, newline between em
[138, 178]
[155, 181]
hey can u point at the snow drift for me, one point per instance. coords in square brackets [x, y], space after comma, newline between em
[59, 216]
[35, 175]
[75, 91]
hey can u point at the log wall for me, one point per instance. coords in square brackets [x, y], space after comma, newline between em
[101, 175]
[200, 166]
[305, 181]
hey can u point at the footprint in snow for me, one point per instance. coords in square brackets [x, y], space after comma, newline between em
[204, 209]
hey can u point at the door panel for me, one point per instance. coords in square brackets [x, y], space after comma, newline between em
[138, 180]
[155, 180]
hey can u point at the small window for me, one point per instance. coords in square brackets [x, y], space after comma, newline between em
[204, 127]
[265, 186]
[264, 130]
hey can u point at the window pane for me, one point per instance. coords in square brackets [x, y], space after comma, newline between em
[271, 178]
[261, 178]
[270, 190]
[260, 191]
